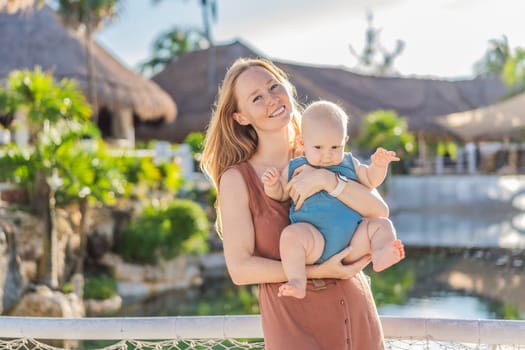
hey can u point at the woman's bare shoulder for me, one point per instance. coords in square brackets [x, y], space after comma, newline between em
[230, 179]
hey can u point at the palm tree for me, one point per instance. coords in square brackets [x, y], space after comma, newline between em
[494, 59]
[208, 9]
[87, 16]
[385, 128]
[55, 111]
[513, 73]
[368, 60]
[170, 45]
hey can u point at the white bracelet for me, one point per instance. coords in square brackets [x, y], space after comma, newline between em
[339, 188]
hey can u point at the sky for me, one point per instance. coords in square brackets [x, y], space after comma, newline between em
[443, 38]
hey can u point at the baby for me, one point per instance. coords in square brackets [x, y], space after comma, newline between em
[324, 226]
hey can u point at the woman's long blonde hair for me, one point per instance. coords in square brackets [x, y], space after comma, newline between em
[227, 142]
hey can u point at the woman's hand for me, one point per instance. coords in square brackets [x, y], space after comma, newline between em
[307, 181]
[335, 268]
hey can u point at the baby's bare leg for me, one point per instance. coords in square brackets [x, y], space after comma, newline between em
[300, 244]
[360, 243]
[376, 236]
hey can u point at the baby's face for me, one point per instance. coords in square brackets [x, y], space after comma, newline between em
[324, 143]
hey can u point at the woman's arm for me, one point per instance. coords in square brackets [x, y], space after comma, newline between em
[239, 242]
[239, 236]
[334, 267]
[307, 181]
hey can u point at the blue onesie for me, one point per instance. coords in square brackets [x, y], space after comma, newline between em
[336, 222]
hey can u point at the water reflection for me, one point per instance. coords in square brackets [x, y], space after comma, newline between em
[455, 283]
[473, 225]
[214, 297]
[430, 282]
[443, 305]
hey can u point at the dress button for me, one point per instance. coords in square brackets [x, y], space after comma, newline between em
[348, 340]
[342, 302]
[346, 320]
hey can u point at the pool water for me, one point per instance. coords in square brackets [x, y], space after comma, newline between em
[434, 283]
[443, 305]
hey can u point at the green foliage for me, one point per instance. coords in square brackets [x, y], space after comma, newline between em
[14, 165]
[96, 287]
[171, 174]
[447, 147]
[206, 197]
[172, 44]
[500, 59]
[67, 288]
[513, 73]
[91, 13]
[64, 142]
[240, 300]
[196, 142]
[100, 287]
[42, 97]
[88, 170]
[164, 233]
[144, 176]
[506, 311]
[493, 61]
[392, 286]
[386, 129]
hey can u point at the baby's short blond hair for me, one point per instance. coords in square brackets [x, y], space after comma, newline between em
[325, 111]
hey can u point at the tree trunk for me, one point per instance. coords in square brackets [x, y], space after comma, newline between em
[211, 50]
[92, 94]
[78, 277]
[83, 208]
[41, 203]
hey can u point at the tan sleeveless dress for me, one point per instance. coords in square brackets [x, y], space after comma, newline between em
[334, 315]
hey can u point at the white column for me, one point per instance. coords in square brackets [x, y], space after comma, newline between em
[122, 126]
[470, 149]
[440, 164]
[460, 161]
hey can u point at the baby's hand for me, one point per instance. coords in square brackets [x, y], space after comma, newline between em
[382, 157]
[270, 176]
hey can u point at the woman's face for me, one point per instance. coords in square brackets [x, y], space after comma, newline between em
[262, 101]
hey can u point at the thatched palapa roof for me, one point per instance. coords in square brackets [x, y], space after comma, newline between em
[420, 100]
[192, 80]
[505, 118]
[37, 37]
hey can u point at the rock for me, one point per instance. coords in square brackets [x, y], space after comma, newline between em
[136, 282]
[102, 307]
[213, 265]
[43, 302]
[11, 281]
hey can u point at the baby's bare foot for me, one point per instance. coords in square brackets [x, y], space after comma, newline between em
[387, 256]
[292, 289]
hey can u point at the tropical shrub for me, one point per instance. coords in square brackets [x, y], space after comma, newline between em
[100, 287]
[196, 142]
[163, 233]
[388, 130]
[54, 162]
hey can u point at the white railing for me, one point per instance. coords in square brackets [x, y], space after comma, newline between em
[400, 332]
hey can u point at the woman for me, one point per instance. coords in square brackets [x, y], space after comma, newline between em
[254, 127]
